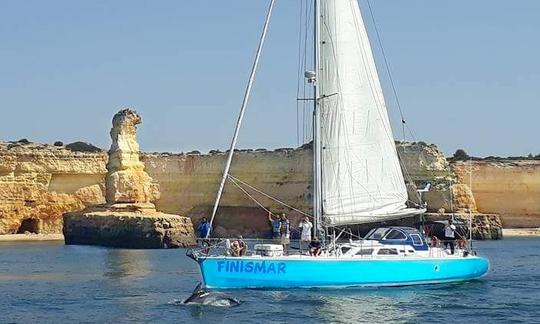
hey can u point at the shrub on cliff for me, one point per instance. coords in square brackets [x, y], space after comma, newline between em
[461, 155]
[83, 147]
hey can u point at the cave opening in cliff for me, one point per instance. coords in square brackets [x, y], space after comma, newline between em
[29, 225]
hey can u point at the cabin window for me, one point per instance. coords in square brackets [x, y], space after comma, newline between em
[395, 235]
[345, 250]
[388, 252]
[417, 240]
[365, 252]
[377, 234]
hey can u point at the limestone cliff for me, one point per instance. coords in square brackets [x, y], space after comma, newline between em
[38, 183]
[189, 183]
[510, 188]
[43, 181]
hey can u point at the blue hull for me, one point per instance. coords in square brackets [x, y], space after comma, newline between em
[247, 272]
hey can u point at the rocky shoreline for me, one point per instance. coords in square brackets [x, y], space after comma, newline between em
[31, 237]
[521, 232]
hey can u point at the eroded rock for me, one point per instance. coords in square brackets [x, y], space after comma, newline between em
[126, 181]
[129, 218]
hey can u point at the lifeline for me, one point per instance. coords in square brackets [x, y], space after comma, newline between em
[250, 266]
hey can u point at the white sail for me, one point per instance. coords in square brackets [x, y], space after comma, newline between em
[361, 175]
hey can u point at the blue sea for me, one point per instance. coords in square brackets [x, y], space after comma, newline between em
[45, 282]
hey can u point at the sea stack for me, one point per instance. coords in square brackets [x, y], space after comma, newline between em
[129, 219]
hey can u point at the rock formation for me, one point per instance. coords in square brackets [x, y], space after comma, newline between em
[40, 182]
[129, 219]
[126, 180]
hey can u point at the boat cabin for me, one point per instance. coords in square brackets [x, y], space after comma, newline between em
[387, 241]
[399, 236]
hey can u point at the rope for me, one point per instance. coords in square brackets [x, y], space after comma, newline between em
[270, 197]
[256, 201]
[235, 181]
[247, 194]
[403, 122]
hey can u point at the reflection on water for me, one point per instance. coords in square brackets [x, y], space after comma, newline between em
[365, 306]
[121, 264]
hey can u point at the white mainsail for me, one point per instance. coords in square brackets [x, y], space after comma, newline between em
[362, 180]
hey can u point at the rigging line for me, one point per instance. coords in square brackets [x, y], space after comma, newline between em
[387, 66]
[242, 111]
[247, 194]
[268, 196]
[300, 30]
[256, 201]
[236, 180]
[305, 115]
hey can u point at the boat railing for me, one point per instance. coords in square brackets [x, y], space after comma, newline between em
[223, 247]
[441, 248]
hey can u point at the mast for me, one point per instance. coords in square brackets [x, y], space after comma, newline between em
[317, 184]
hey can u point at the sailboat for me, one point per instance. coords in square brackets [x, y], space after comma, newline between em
[357, 179]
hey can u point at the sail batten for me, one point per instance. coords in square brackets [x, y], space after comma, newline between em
[361, 175]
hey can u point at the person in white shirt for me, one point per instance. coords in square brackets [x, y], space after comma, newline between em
[306, 227]
[450, 235]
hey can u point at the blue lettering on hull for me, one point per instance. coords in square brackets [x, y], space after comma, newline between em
[251, 266]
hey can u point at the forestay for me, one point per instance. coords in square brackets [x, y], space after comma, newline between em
[362, 180]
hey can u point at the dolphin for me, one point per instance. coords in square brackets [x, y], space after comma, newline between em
[202, 296]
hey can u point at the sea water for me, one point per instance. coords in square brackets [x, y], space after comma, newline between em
[45, 282]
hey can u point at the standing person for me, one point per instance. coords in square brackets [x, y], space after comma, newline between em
[306, 227]
[450, 235]
[285, 232]
[203, 229]
[276, 225]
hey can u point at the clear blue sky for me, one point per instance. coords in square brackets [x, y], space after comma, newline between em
[467, 72]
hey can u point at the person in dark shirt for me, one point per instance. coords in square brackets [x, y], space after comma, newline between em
[204, 228]
[276, 225]
[450, 236]
[315, 247]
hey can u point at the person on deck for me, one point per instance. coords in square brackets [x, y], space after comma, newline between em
[285, 232]
[203, 229]
[315, 247]
[238, 247]
[276, 225]
[306, 227]
[450, 236]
